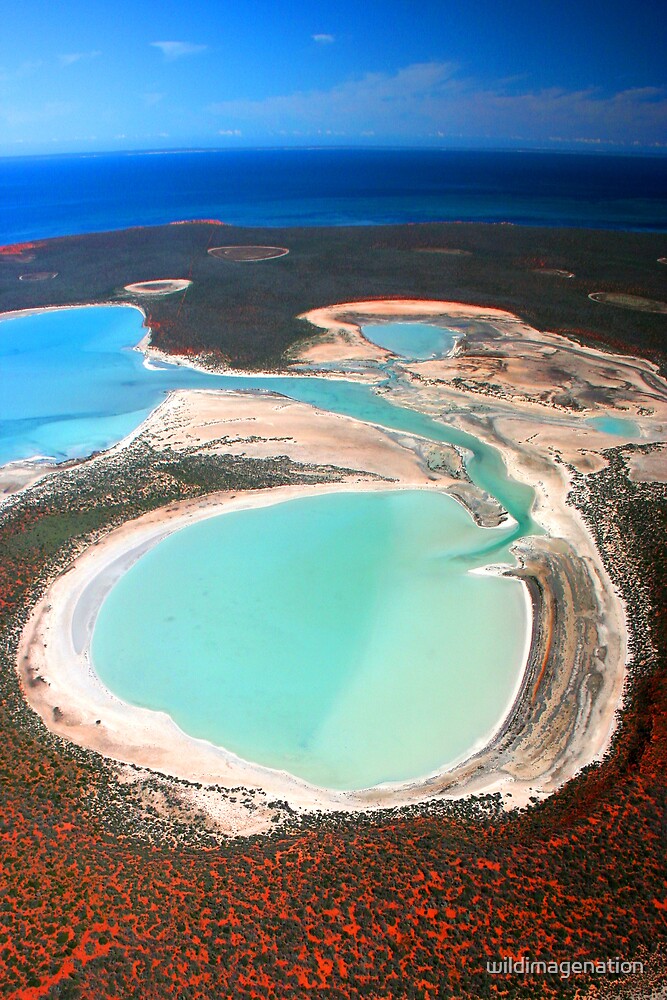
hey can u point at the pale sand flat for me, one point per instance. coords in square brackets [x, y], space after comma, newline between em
[158, 286]
[247, 254]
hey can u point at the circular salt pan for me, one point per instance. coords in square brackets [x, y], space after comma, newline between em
[555, 272]
[38, 276]
[629, 301]
[247, 253]
[448, 251]
[161, 286]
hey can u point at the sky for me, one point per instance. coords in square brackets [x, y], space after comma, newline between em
[88, 75]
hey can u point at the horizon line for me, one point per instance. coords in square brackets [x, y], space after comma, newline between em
[556, 149]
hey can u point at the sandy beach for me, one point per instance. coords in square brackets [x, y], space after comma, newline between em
[500, 385]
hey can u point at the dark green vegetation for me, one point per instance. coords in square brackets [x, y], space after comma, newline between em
[245, 313]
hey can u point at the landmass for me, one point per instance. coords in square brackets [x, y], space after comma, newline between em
[587, 732]
[247, 317]
[565, 712]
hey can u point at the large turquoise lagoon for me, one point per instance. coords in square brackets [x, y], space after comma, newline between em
[340, 638]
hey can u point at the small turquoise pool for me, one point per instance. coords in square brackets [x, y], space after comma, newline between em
[417, 341]
[618, 426]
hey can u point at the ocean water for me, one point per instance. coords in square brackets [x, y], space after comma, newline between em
[60, 195]
[417, 341]
[340, 638]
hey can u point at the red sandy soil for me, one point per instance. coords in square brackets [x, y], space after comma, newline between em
[409, 906]
[21, 252]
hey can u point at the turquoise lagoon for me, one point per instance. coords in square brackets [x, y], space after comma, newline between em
[71, 384]
[340, 638]
[418, 341]
[618, 426]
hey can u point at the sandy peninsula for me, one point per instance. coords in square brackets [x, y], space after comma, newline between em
[529, 394]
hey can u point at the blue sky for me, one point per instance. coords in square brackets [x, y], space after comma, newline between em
[83, 75]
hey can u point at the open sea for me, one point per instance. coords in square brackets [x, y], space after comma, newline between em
[60, 195]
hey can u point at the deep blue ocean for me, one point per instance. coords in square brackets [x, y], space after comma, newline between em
[52, 196]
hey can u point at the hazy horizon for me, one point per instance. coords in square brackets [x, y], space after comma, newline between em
[561, 149]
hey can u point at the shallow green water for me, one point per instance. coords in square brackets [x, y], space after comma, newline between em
[340, 638]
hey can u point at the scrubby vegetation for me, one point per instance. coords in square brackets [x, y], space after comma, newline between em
[402, 904]
[245, 313]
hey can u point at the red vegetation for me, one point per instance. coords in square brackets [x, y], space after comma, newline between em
[20, 252]
[404, 906]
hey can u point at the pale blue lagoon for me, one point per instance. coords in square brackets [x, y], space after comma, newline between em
[340, 638]
[71, 384]
[419, 341]
[618, 426]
